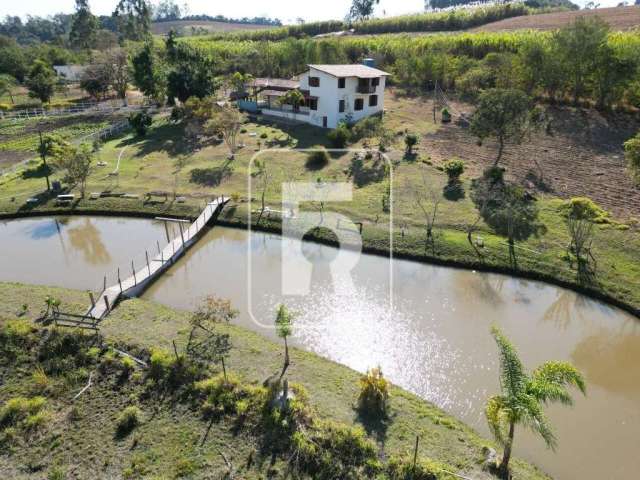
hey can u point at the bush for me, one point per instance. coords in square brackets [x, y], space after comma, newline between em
[140, 122]
[339, 137]
[632, 154]
[264, 135]
[410, 141]
[584, 208]
[22, 411]
[128, 419]
[374, 393]
[454, 168]
[317, 159]
[401, 469]
[159, 363]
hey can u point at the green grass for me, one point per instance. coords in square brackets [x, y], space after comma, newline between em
[167, 440]
[165, 161]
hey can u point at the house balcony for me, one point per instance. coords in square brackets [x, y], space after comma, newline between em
[366, 89]
[282, 109]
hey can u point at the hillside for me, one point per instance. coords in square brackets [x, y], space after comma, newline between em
[163, 28]
[619, 18]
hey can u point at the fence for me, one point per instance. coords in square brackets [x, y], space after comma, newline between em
[109, 106]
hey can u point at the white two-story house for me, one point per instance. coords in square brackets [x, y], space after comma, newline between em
[332, 94]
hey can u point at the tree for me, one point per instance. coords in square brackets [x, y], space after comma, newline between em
[84, 27]
[191, 74]
[614, 69]
[523, 396]
[133, 18]
[227, 121]
[632, 154]
[149, 73]
[578, 46]
[265, 176]
[49, 146]
[504, 114]
[96, 79]
[140, 122]
[167, 10]
[77, 163]
[410, 140]
[581, 213]
[361, 9]
[118, 65]
[7, 84]
[206, 343]
[239, 81]
[292, 97]
[41, 81]
[428, 201]
[284, 328]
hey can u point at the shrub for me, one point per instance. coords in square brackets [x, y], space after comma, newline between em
[340, 136]
[41, 381]
[374, 393]
[159, 363]
[401, 469]
[128, 419]
[65, 350]
[127, 365]
[632, 154]
[410, 141]
[18, 410]
[583, 208]
[140, 122]
[264, 135]
[454, 168]
[317, 159]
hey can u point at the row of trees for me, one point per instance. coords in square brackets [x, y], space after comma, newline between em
[583, 61]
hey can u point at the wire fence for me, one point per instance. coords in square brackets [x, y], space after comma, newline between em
[108, 106]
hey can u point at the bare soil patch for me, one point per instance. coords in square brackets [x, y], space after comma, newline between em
[618, 18]
[580, 155]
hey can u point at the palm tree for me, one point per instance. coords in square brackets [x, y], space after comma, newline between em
[523, 396]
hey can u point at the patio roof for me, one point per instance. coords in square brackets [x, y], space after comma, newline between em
[276, 83]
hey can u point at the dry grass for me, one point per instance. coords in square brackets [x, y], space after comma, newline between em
[618, 18]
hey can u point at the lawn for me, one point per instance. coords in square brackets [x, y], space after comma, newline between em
[166, 161]
[171, 433]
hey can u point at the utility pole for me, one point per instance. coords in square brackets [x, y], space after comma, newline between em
[43, 155]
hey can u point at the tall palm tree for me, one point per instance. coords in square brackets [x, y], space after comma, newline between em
[523, 396]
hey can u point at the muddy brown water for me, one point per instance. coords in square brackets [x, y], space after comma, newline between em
[426, 326]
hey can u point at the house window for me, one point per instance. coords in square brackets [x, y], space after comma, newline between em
[314, 81]
[375, 82]
[341, 82]
[341, 106]
[373, 100]
[313, 103]
[359, 104]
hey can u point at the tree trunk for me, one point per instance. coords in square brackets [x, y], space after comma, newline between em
[286, 358]
[503, 469]
[500, 150]
[224, 369]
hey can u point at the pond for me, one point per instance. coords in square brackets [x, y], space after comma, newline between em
[426, 326]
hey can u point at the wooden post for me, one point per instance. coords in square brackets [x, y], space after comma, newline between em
[106, 302]
[161, 257]
[158, 244]
[147, 257]
[173, 248]
[415, 455]
[93, 301]
[135, 281]
[166, 231]
[105, 283]
[181, 234]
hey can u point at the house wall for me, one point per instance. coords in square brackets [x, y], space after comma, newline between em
[329, 95]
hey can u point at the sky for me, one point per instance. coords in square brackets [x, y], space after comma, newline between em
[286, 10]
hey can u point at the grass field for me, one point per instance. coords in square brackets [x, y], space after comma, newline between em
[185, 26]
[169, 438]
[166, 161]
[618, 18]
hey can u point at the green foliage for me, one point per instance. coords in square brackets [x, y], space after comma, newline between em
[228, 396]
[133, 18]
[632, 154]
[284, 321]
[140, 122]
[374, 393]
[339, 136]
[77, 164]
[160, 363]
[41, 81]
[149, 73]
[502, 113]
[22, 412]
[523, 396]
[410, 140]
[128, 419]
[64, 350]
[96, 80]
[84, 27]
[191, 73]
[583, 208]
[425, 469]
[454, 169]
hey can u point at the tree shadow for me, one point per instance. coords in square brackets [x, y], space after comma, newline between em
[365, 171]
[410, 157]
[170, 138]
[538, 182]
[376, 426]
[453, 191]
[211, 177]
[40, 171]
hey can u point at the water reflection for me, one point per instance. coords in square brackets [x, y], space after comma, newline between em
[433, 339]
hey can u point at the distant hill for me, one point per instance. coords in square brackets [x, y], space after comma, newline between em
[619, 18]
[186, 26]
